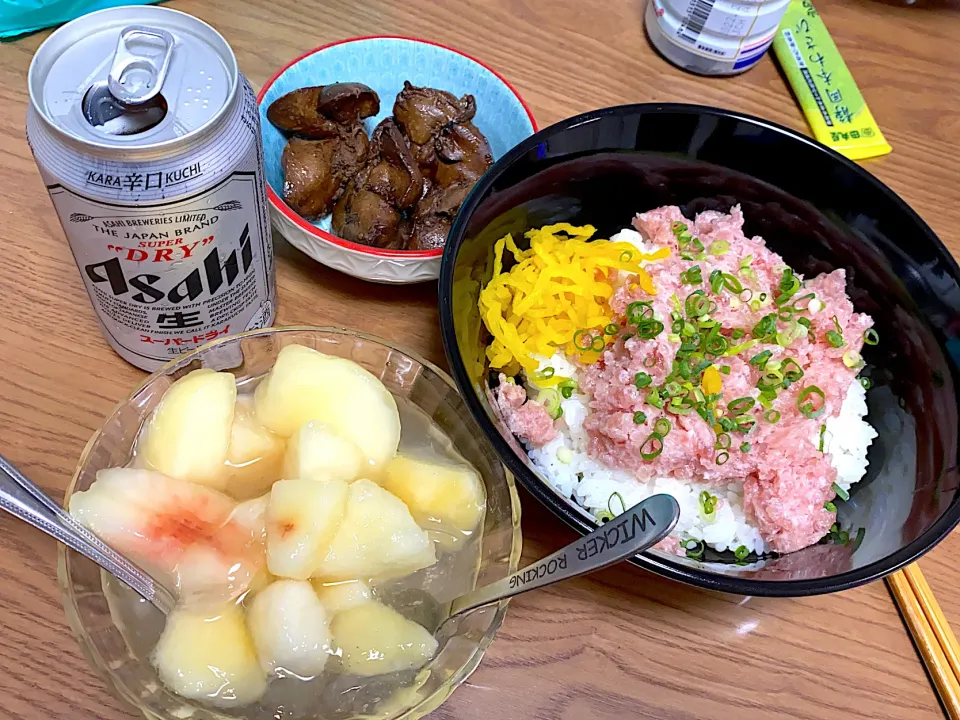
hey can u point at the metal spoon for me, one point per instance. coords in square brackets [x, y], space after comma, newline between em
[640, 527]
[23, 499]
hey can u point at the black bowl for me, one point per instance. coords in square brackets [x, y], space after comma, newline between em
[814, 207]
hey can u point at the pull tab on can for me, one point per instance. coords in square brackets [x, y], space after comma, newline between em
[129, 101]
[140, 64]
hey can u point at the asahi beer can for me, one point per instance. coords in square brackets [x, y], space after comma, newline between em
[148, 140]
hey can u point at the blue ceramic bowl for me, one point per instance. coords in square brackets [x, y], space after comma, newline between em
[384, 63]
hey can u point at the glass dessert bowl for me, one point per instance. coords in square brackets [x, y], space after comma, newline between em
[118, 632]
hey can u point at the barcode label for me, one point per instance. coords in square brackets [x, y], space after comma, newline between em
[697, 16]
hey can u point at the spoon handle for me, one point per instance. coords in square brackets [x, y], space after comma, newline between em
[640, 527]
[23, 499]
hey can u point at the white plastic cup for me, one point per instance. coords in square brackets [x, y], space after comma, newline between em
[713, 37]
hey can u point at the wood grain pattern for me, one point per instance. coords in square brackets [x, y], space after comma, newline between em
[619, 644]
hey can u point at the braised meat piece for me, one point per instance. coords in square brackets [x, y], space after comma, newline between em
[369, 212]
[323, 111]
[423, 113]
[463, 154]
[435, 215]
[316, 171]
[362, 216]
[348, 103]
[332, 147]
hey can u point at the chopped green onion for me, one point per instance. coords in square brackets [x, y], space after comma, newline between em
[772, 416]
[791, 370]
[544, 374]
[797, 307]
[737, 349]
[725, 369]
[723, 441]
[678, 227]
[623, 505]
[789, 284]
[566, 388]
[641, 380]
[582, 340]
[746, 262]
[639, 417]
[649, 329]
[653, 398]
[697, 304]
[866, 382]
[829, 507]
[662, 427]
[708, 503]
[767, 326]
[626, 256]
[852, 359]
[740, 405]
[745, 423]
[834, 338]
[672, 388]
[731, 283]
[722, 458]
[638, 312]
[859, 539]
[805, 322]
[604, 516]
[870, 337]
[550, 399]
[716, 280]
[726, 424]
[741, 553]
[652, 446]
[745, 292]
[841, 493]
[611, 329]
[811, 402]
[649, 361]
[744, 447]
[720, 247]
[694, 549]
[597, 344]
[691, 276]
[823, 430]
[716, 344]
[737, 333]
[770, 380]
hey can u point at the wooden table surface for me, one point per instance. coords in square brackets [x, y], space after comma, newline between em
[619, 644]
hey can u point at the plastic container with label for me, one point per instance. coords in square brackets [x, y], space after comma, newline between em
[713, 37]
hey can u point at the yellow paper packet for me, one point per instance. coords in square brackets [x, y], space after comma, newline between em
[829, 97]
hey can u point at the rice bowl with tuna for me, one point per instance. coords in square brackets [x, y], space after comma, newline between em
[682, 356]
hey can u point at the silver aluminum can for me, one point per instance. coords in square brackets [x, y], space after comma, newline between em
[148, 140]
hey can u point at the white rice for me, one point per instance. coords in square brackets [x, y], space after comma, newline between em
[564, 463]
